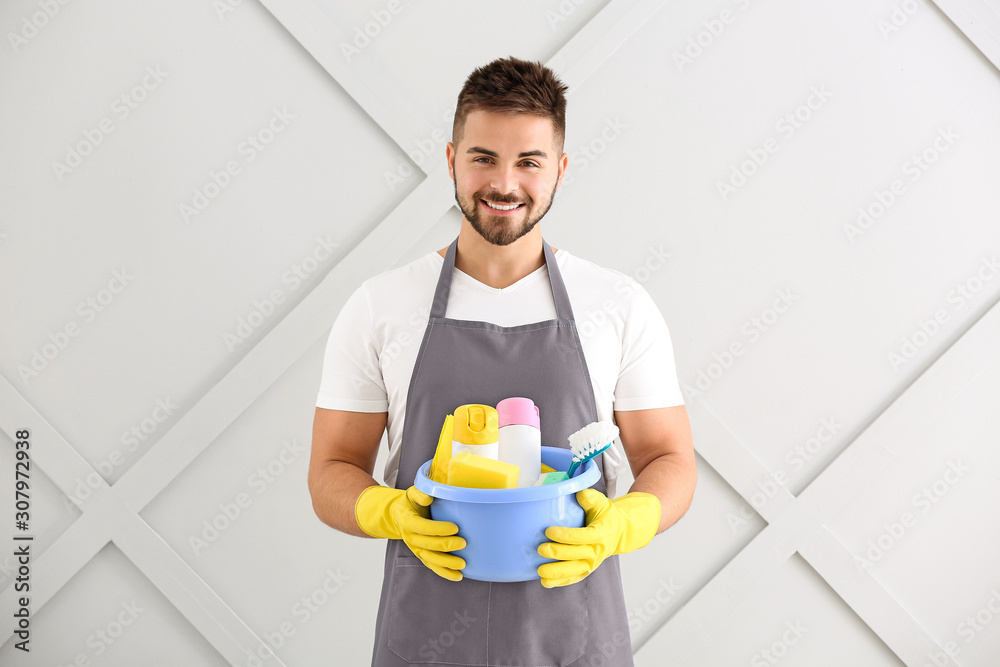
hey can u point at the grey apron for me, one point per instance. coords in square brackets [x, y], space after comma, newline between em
[425, 619]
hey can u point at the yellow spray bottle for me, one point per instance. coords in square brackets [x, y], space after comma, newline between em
[476, 430]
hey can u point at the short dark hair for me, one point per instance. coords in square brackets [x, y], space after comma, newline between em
[510, 85]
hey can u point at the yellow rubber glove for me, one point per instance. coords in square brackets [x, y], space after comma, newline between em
[404, 515]
[613, 527]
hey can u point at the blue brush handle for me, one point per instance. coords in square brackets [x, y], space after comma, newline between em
[576, 464]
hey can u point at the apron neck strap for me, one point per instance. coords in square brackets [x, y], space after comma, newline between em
[564, 311]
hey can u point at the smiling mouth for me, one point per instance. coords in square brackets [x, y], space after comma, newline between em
[503, 208]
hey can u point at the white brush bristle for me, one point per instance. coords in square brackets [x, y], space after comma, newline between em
[592, 437]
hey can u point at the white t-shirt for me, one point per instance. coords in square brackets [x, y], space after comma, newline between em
[374, 342]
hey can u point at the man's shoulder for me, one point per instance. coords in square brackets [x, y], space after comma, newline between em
[583, 272]
[405, 284]
[423, 268]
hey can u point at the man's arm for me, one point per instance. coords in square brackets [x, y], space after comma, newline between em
[344, 449]
[661, 454]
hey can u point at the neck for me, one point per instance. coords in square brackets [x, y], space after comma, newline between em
[497, 266]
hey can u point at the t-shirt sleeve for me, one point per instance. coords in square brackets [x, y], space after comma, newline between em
[648, 375]
[352, 379]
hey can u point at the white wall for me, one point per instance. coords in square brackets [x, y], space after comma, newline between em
[167, 293]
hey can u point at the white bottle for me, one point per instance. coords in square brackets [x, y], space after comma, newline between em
[520, 438]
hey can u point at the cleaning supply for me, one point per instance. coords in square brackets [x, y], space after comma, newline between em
[546, 469]
[479, 472]
[612, 527]
[442, 455]
[474, 430]
[404, 514]
[550, 478]
[590, 441]
[503, 527]
[520, 440]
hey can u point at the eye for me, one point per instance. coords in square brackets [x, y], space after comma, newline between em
[530, 163]
[481, 158]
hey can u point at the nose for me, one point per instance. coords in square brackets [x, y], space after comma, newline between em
[504, 180]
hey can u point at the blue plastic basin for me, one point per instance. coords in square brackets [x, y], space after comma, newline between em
[503, 527]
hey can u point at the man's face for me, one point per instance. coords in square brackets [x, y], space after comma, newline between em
[505, 160]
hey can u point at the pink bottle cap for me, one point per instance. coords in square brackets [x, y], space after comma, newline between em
[517, 410]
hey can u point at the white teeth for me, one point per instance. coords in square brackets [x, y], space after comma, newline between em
[502, 208]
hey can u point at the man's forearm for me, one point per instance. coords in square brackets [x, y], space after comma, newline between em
[671, 478]
[335, 491]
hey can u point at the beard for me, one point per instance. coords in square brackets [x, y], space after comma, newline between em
[501, 230]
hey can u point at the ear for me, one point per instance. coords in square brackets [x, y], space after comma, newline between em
[449, 153]
[563, 162]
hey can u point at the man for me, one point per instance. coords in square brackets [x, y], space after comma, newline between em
[410, 342]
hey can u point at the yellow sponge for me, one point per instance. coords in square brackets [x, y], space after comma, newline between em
[546, 469]
[479, 472]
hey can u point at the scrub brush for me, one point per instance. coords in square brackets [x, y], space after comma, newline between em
[590, 441]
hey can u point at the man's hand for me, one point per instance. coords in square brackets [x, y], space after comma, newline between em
[405, 515]
[613, 527]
